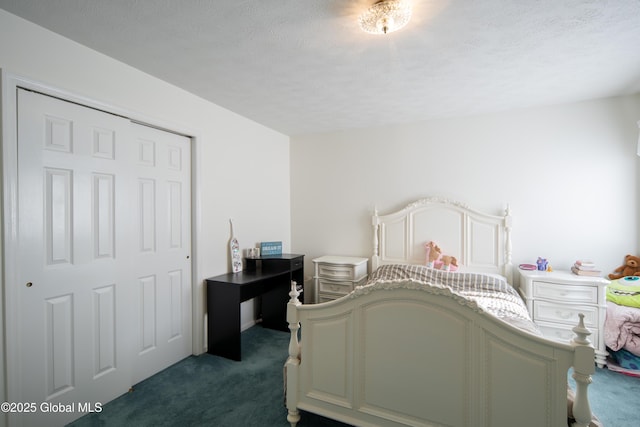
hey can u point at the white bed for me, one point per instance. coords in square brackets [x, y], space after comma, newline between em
[399, 352]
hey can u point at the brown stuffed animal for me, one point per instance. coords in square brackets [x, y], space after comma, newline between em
[631, 267]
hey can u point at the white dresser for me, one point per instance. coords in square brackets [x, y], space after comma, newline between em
[554, 300]
[336, 276]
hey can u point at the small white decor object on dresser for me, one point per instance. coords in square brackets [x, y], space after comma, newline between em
[337, 276]
[556, 298]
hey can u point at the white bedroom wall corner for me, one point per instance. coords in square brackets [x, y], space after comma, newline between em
[637, 163]
[3, 394]
[4, 155]
[636, 193]
[8, 233]
[198, 295]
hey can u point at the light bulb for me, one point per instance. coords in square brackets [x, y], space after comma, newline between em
[385, 16]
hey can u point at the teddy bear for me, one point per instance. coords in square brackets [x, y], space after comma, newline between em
[631, 267]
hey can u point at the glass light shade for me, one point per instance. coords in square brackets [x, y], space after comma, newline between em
[386, 16]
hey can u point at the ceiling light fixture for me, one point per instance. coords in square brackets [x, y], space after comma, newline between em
[386, 16]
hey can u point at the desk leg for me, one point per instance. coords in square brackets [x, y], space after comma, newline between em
[223, 321]
[274, 305]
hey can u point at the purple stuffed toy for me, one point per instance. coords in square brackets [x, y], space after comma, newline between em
[542, 264]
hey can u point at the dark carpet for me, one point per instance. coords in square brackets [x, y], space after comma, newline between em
[212, 391]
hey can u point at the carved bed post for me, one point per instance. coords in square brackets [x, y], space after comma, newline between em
[293, 361]
[583, 367]
[507, 245]
[375, 256]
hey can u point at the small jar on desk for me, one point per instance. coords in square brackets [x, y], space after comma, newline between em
[336, 276]
[555, 298]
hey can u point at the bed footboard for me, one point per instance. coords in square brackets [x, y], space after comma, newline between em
[398, 356]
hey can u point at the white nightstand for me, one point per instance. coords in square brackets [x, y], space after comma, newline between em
[336, 276]
[554, 300]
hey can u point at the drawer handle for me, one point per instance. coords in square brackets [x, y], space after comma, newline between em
[564, 315]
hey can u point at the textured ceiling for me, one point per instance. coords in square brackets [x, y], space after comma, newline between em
[304, 66]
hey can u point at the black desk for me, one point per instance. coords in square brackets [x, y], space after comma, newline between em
[269, 277]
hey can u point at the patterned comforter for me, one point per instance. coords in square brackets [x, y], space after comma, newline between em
[491, 293]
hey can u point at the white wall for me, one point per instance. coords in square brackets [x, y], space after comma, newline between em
[231, 151]
[568, 173]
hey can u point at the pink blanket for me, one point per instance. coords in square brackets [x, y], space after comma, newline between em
[622, 328]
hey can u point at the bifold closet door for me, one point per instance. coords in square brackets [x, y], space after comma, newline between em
[162, 243]
[76, 289]
[104, 296]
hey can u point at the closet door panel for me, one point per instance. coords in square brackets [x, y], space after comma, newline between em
[74, 292]
[163, 231]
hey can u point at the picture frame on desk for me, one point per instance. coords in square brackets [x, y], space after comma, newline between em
[270, 248]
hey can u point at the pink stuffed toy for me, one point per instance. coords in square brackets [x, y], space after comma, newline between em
[433, 253]
[435, 259]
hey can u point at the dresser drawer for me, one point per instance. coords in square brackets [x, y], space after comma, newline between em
[566, 314]
[566, 293]
[342, 272]
[564, 334]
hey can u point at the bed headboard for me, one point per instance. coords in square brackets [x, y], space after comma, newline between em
[480, 242]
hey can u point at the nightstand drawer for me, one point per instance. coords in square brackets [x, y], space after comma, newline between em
[342, 272]
[562, 334]
[565, 293]
[335, 287]
[558, 313]
[339, 287]
[327, 298]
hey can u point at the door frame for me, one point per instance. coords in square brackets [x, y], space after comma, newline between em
[9, 84]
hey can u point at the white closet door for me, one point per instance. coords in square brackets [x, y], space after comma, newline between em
[75, 267]
[162, 249]
[104, 234]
